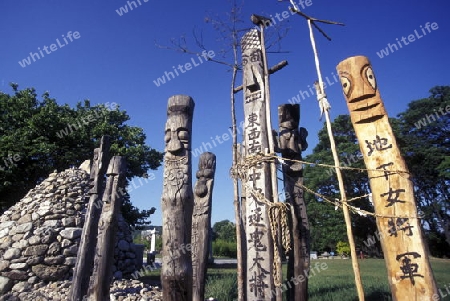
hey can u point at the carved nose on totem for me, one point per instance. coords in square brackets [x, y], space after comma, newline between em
[174, 144]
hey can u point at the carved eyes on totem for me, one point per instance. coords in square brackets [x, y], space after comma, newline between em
[244, 61]
[182, 134]
[346, 85]
[368, 72]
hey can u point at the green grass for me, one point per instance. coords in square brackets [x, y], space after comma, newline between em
[334, 283]
[337, 282]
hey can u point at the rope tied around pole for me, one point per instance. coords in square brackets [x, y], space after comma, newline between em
[240, 171]
[277, 213]
[324, 105]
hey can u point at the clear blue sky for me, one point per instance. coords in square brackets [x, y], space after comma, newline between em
[114, 59]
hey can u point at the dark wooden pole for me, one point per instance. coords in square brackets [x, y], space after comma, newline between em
[260, 281]
[177, 201]
[201, 223]
[407, 259]
[86, 249]
[292, 141]
[107, 228]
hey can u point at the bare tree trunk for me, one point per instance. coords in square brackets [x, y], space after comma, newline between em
[240, 252]
[260, 281]
[407, 259]
[292, 142]
[86, 249]
[104, 254]
[201, 223]
[177, 201]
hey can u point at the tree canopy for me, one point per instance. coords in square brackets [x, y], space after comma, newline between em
[224, 230]
[327, 224]
[38, 136]
[424, 134]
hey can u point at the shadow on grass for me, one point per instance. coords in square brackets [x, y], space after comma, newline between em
[378, 296]
[153, 280]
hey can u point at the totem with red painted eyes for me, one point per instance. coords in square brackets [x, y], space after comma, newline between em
[360, 89]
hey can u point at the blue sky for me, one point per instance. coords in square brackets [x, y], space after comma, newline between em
[114, 59]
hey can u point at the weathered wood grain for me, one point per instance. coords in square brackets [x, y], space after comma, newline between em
[86, 249]
[177, 201]
[201, 223]
[107, 229]
[259, 276]
[292, 141]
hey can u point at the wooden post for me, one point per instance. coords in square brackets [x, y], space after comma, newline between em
[292, 142]
[407, 259]
[201, 223]
[177, 201]
[88, 242]
[107, 228]
[273, 167]
[259, 276]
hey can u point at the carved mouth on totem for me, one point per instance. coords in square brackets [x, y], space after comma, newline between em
[175, 161]
[367, 111]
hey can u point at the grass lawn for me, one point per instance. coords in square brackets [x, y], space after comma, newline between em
[336, 283]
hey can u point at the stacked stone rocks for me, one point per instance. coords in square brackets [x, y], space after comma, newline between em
[120, 290]
[39, 236]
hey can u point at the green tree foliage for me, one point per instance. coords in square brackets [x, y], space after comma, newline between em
[327, 224]
[343, 248]
[224, 248]
[224, 230]
[424, 135]
[38, 136]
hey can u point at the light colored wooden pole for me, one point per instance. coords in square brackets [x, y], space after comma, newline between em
[407, 259]
[325, 108]
[201, 223]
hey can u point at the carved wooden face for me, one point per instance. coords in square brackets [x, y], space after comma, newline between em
[177, 135]
[288, 118]
[205, 173]
[360, 89]
[289, 138]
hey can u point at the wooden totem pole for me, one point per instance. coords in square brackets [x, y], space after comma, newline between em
[201, 223]
[407, 260]
[107, 229]
[292, 141]
[259, 278]
[86, 249]
[177, 201]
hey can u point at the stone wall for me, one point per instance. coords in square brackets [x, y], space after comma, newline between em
[39, 236]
